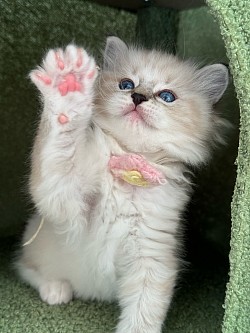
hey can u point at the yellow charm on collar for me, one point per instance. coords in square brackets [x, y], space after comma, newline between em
[134, 177]
[135, 170]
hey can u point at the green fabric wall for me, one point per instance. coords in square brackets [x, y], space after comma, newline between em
[209, 214]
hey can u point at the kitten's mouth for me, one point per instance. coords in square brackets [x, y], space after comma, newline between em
[134, 113]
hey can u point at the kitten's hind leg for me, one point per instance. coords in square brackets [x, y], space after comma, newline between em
[56, 292]
[51, 291]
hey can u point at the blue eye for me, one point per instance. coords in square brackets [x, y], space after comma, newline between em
[167, 96]
[126, 84]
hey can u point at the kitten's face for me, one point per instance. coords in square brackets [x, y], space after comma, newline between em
[152, 102]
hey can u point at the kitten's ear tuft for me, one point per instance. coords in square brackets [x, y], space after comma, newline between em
[213, 80]
[115, 51]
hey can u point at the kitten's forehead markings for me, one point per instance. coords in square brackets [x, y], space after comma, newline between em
[147, 75]
[146, 85]
[150, 71]
[144, 89]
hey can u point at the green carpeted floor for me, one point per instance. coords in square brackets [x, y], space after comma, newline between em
[197, 305]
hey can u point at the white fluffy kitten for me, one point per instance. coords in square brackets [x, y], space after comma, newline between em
[104, 236]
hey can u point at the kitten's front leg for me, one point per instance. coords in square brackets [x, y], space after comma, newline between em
[145, 291]
[65, 80]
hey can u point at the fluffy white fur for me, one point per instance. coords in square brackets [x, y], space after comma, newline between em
[103, 238]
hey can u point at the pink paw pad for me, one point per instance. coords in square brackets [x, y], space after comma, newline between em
[91, 74]
[59, 61]
[69, 83]
[63, 119]
[80, 58]
[46, 79]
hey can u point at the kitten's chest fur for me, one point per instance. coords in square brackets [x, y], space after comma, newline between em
[116, 205]
[111, 237]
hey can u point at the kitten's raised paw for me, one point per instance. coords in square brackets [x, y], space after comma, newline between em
[63, 72]
[56, 292]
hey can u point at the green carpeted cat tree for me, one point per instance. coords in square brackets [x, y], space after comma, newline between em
[234, 21]
[28, 29]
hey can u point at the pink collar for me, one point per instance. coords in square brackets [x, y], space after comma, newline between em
[135, 170]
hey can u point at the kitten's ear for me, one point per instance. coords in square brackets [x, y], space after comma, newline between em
[213, 81]
[115, 51]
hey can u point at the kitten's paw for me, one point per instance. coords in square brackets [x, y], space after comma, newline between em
[63, 72]
[56, 292]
